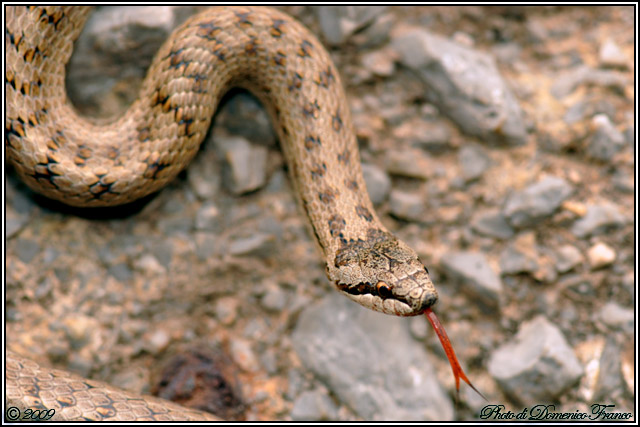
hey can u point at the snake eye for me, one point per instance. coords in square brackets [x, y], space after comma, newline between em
[383, 290]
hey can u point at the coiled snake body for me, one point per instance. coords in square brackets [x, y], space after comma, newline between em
[68, 158]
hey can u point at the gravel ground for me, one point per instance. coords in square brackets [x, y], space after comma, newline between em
[497, 141]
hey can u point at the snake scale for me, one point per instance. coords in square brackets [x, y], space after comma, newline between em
[68, 158]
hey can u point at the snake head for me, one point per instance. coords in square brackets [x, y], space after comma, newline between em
[384, 274]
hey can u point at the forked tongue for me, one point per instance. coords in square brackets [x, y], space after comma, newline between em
[451, 355]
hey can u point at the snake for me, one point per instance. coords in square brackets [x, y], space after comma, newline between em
[71, 159]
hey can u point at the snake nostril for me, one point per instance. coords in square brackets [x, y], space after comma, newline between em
[428, 300]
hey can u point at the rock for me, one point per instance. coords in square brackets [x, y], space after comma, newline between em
[409, 163]
[407, 206]
[208, 217]
[567, 257]
[601, 255]
[245, 167]
[243, 355]
[475, 275]
[606, 140]
[78, 330]
[121, 272]
[617, 317]
[204, 174]
[597, 220]
[433, 136]
[378, 183]
[569, 80]
[148, 264]
[623, 181]
[491, 223]
[26, 249]
[537, 202]
[512, 261]
[258, 244]
[338, 23]
[156, 341]
[610, 55]
[465, 84]
[243, 108]
[226, 310]
[358, 353]
[610, 382]
[113, 54]
[275, 298]
[379, 62]
[473, 161]
[537, 365]
[18, 209]
[314, 406]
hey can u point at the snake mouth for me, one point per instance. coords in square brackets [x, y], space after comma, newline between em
[380, 290]
[379, 297]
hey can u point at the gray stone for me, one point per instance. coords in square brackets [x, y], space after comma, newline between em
[377, 181]
[569, 80]
[512, 261]
[623, 181]
[568, 257]
[258, 244]
[338, 23]
[610, 55]
[610, 383]
[314, 406]
[369, 361]
[208, 217]
[117, 45]
[26, 249]
[597, 220]
[243, 355]
[121, 271]
[172, 224]
[617, 317]
[407, 206]
[409, 163]
[536, 202]
[465, 84]
[245, 165]
[476, 276]
[491, 223]
[537, 365]
[226, 310]
[18, 209]
[606, 141]
[473, 161]
[204, 174]
[432, 136]
[379, 62]
[243, 108]
[275, 299]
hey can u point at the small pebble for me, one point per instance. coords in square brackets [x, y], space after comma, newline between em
[597, 220]
[611, 55]
[243, 355]
[377, 181]
[226, 310]
[407, 206]
[600, 255]
[606, 140]
[617, 317]
[473, 161]
[567, 257]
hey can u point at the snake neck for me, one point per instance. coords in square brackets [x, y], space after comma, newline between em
[67, 158]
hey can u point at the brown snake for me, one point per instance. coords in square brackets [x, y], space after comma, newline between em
[67, 158]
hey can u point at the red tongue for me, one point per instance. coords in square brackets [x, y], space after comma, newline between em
[448, 349]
